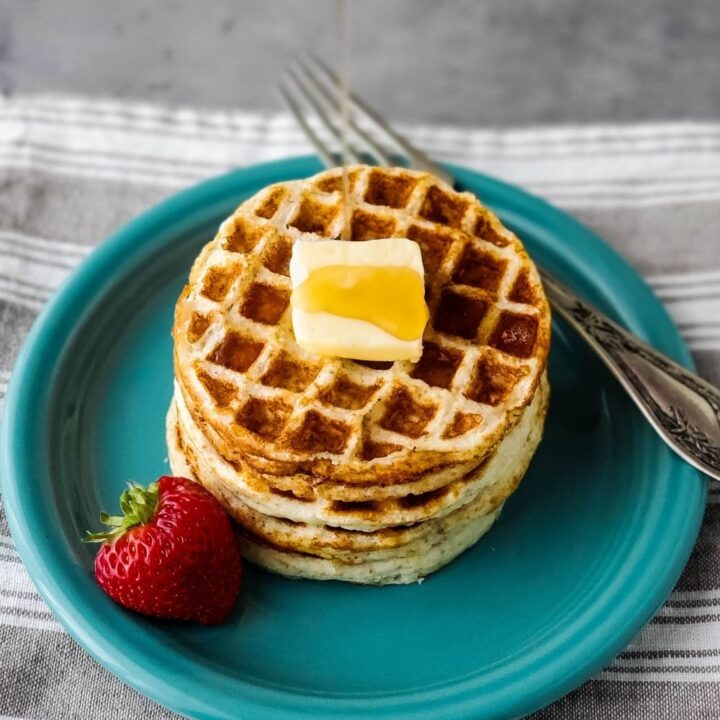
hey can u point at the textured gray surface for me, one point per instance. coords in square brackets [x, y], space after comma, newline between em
[490, 62]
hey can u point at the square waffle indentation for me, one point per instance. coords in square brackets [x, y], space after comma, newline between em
[442, 207]
[479, 269]
[243, 237]
[221, 391]
[347, 394]
[236, 352]
[265, 303]
[271, 202]
[290, 373]
[318, 433]
[434, 245]
[315, 217]
[365, 226]
[492, 381]
[405, 415]
[438, 365]
[388, 190]
[459, 314]
[217, 282]
[372, 450]
[515, 334]
[277, 255]
[197, 326]
[523, 290]
[485, 231]
[265, 417]
[334, 183]
[462, 423]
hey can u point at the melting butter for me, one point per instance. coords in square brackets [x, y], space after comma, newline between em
[362, 300]
[392, 298]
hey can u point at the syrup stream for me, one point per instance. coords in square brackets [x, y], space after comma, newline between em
[343, 34]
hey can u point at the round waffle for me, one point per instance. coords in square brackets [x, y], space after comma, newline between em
[494, 477]
[281, 411]
[425, 557]
[505, 469]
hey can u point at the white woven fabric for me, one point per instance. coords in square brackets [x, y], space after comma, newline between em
[72, 171]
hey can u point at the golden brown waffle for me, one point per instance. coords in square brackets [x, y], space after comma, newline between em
[503, 472]
[493, 479]
[272, 406]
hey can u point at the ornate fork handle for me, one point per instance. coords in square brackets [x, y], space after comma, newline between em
[683, 408]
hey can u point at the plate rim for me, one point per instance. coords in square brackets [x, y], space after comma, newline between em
[21, 405]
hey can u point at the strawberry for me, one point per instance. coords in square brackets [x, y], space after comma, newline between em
[172, 553]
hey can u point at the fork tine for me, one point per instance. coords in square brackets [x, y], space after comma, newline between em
[330, 126]
[320, 147]
[418, 158]
[324, 94]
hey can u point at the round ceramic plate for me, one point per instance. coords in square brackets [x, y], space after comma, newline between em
[583, 555]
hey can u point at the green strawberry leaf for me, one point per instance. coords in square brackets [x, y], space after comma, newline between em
[138, 505]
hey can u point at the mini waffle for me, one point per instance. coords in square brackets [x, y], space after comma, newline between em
[503, 473]
[283, 411]
[369, 515]
[360, 471]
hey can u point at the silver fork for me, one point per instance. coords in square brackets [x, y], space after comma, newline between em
[683, 408]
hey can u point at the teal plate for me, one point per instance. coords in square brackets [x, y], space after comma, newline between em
[584, 554]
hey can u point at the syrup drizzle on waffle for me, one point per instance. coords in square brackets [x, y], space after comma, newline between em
[485, 345]
[343, 33]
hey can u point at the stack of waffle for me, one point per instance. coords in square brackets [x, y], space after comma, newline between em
[340, 469]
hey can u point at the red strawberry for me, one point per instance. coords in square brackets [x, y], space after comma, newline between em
[172, 553]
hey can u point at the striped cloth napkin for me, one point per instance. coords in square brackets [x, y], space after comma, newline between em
[72, 171]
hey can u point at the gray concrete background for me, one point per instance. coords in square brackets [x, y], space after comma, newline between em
[467, 61]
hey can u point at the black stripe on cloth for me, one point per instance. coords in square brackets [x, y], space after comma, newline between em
[21, 594]
[692, 602]
[685, 619]
[25, 613]
[642, 669]
[636, 699]
[4, 529]
[668, 653]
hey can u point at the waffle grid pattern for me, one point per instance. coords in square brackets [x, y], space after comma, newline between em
[484, 349]
[366, 513]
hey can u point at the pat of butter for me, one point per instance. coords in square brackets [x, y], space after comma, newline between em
[361, 300]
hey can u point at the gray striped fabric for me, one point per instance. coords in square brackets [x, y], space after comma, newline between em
[72, 171]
